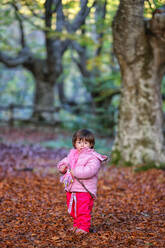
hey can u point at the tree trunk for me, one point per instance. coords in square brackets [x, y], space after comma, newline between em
[141, 54]
[61, 93]
[43, 100]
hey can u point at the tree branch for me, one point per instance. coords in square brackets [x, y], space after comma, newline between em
[60, 18]
[80, 17]
[157, 23]
[81, 63]
[48, 13]
[100, 13]
[32, 11]
[64, 45]
[11, 62]
[18, 17]
[53, 45]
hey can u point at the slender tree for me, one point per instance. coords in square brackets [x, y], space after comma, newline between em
[46, 71]
[139, 45]
[91, 63]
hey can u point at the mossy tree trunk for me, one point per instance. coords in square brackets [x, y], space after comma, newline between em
[140, 48]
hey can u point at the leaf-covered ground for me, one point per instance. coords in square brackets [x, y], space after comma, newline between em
[129, 210]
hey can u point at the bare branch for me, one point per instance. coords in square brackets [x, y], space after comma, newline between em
[80, 17]
[64, 45]
[101, 12]
[21, 18]
[82, 62]
[60, 18]
[150, 5]
[77, 47]
[11, 62]
[48, 13]
[157, 23]
[33, 12]
[18, 17]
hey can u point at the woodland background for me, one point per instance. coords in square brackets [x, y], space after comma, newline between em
[66, 65]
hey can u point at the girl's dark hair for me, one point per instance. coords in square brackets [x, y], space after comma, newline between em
[84, 134]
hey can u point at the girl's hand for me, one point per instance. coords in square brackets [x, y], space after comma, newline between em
[71, 172]
[63, 168]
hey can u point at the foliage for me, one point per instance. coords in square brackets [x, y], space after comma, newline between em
[122, 215]
[128, 210]
[115, 157]
[149, 166]
[150, 6]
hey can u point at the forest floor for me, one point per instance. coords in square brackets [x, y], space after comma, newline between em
[129, 210]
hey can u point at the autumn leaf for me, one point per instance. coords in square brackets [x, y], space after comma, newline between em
[128, 212]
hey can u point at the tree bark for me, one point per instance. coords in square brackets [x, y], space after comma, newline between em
[43, 99]
[141, 56]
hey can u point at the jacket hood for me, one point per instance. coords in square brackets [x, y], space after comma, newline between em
[96, 154]
[100, 156]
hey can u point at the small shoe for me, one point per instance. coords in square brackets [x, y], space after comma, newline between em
[80, 231]
[73, 229]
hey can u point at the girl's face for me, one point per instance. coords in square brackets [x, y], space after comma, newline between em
[80, 144]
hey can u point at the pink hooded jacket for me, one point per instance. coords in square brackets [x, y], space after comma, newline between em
[85, 165]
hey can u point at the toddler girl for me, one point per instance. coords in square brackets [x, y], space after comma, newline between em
[80, 172]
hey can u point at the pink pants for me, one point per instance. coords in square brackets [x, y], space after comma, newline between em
[80, 205]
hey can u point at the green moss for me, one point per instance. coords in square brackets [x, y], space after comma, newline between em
[127, 164]
[115, 157]
[148, 57]
[127, 116]
[145, 142]
[117, 160]
[148, 166]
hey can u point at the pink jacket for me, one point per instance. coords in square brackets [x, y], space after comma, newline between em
[85, 166]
